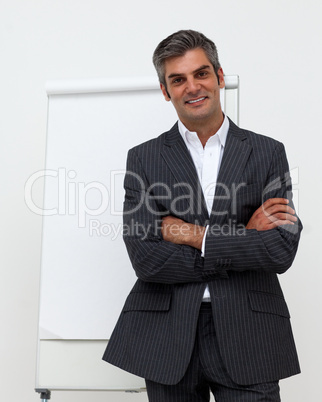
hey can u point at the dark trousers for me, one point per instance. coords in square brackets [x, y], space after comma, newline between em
[206, 373]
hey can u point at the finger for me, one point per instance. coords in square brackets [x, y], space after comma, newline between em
[273, 201]
[282, 216]
[281, 223]
[276, 208]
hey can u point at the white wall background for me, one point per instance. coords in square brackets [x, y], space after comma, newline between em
[275, 47]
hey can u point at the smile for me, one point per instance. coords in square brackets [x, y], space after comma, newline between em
[197, 100]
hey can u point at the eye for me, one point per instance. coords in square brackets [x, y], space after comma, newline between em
[177, 80]
[202, 74]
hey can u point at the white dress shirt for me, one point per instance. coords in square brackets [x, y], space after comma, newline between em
[207, 161]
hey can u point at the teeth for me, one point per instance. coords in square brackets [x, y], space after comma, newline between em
[197, 100]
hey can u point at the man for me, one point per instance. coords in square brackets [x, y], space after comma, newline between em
[208, 225]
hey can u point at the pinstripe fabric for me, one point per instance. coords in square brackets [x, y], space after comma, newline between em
[155, 334]
[206, 371]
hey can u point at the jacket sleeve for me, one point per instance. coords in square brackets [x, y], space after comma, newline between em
[270, 250]
[153, 259]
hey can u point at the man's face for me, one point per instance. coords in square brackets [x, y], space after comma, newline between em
[193, 88]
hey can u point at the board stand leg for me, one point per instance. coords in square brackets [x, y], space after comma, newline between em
[44, 394]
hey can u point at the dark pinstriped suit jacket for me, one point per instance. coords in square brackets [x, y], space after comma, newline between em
[155, 333]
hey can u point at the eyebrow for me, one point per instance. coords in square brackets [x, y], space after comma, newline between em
[203, 67]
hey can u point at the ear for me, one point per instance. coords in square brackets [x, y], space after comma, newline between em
[165, 93]
[221, 78]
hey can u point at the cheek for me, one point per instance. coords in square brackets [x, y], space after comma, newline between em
[176, 100]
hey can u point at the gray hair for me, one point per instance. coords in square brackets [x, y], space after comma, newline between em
[178, 44]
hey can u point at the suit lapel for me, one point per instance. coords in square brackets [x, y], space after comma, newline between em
[236, 154]
[179, 161]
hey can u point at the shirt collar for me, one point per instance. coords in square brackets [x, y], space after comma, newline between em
[221, 133]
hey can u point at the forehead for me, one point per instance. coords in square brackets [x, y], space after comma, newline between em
[191, 61]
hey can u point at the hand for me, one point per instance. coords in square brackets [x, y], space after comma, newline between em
[272, 213]
[178, 231]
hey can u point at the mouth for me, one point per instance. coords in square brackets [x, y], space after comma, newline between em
[193, 101]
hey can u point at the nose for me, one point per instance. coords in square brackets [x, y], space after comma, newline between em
[192, 85]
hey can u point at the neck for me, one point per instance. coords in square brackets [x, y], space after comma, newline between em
[205, 130]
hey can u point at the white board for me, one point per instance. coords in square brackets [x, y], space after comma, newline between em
[85, 271]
